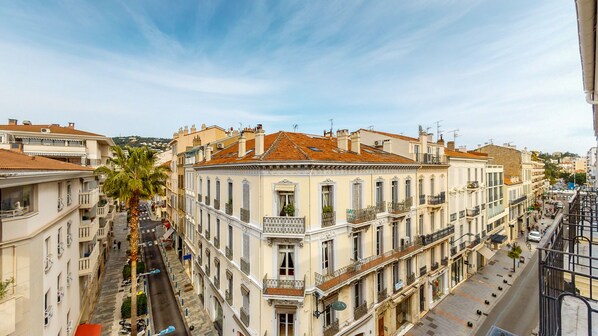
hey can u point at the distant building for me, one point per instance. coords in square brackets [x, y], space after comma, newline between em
[592, 166]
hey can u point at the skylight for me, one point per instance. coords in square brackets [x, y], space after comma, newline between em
[315, 149]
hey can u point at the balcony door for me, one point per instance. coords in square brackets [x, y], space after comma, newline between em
[285, 198]
[286, 262]
[286, 324]
[327, 257]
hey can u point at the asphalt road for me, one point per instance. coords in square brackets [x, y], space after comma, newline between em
[518, 311]
[165, 311]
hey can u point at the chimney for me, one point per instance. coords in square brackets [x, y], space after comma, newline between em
[356, 142]
[12, 121]
[386, 146]
[450, 145]
[242, 141]
[208, 153]
[342, 139]
[193, 129]
[259, 140]
[423, 142]
[180, 131]
[200, 155]
[186, 129]
[71, 125]
[440, 141]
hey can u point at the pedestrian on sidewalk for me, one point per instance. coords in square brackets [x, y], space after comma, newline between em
[118, 245]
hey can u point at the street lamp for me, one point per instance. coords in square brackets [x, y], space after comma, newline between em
[337, 305]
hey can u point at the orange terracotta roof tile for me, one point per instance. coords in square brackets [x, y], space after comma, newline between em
[10, 160]
[469, 155]
[53, 129]
[392, 135]
[290, 147]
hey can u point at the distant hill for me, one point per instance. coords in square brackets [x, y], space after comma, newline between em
[158, 144]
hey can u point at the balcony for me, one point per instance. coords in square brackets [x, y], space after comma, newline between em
[207, 200]
[60, 204]
[69, 199]
[88, 229]
[423, 271]
[216, 204]
[360, 311]
[244, 215]
[453, 217]
[228, 251]
[382, 295]
[244, 316]
[199, 198]
[431, 238]
[400, 208]
[518, 200]
[422, 199]
[283, 287]
[434, 266]
[444, 261]
[380, 207]
[16, 212]
[229, 297]
[89, 199]
[102, 233]
[461, 214]
[429, 158]
[284, 225]
[208, 268]
[228, 208]
[88, 264]
[475, 242]
[331, 329]
[357, 269]
[207, 234]
[69, 239]
[103, 209]
[410, 278]
[217, 242]
[245, 266]
[473, 185]
[48, 313]
[357, 216]
[437, 200]
[328, 218]
[216, 281]
[472, 213]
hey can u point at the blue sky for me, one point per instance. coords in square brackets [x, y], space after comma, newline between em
[503, 70]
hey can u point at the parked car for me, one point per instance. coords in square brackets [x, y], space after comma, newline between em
[534, 236]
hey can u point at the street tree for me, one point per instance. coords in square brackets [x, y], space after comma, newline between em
[514, 254]
[131, 176]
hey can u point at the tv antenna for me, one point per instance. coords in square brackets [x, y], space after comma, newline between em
[331, 123]
[438, 129]
[371, 127]
[295, 127]
[455, 134]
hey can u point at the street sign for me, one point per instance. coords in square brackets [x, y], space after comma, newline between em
[187, 257]
[338, 305]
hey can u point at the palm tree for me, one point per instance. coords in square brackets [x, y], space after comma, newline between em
[131, 176]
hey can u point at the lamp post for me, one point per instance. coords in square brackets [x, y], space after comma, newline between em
[337, 305]
[511, 230]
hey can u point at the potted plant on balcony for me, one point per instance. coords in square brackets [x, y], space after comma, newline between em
[327, 209]
[5, 285]
[290, 210]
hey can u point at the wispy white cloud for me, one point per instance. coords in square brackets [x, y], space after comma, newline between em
[504, 70]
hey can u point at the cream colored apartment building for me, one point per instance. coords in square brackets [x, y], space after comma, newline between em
[290, 219]
[42, 246]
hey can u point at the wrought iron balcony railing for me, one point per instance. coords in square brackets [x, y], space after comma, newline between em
[423, 270]
[473, 185]
[475, 242]
[360, 311]
[228, 251]
[245, 266]
[410, 278]
[216, 204]
[453, 217]
[229, 297]
[380, 207]
[422, 199]
[328, 218]
[284, 225]
[331, 329]
[283, 287]
[244, 316]
[429, 158]
[398, 208]
[382, 295]
[207, 200]
[356, 216]
[434, 266]
[430, 238]
[444, 261]
[438, 199]
[216, 242]
[461, 213]
[471, 213]
[518, 200]
[244, 215]
[228, 208]
[216, 281]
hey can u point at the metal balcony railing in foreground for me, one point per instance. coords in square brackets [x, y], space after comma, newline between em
[332, 328]
[429, 239]
[284, 287]
[284, 225]
[357, 216]
[400, 207]
[360, 310]
[568, 269]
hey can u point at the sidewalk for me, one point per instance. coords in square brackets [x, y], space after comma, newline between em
[188, 301]
[451, 315]
[107, 309]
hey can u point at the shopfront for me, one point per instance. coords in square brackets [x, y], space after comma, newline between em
[437, 286]
[457, 268]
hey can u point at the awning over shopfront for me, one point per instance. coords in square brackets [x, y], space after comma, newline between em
[486, 252]
[89, 330]
[167, 234]
[498, 238]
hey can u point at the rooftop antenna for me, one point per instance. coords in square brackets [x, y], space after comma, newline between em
[240, 127]
[371, 127]
[295, 128]
[455, 134]
[438, 129]
[331, 123]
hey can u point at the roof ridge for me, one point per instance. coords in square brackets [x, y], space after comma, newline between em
[267, 152]
[298, 147]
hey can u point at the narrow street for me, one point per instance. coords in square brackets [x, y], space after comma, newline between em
[165, 311]
[518, 311]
